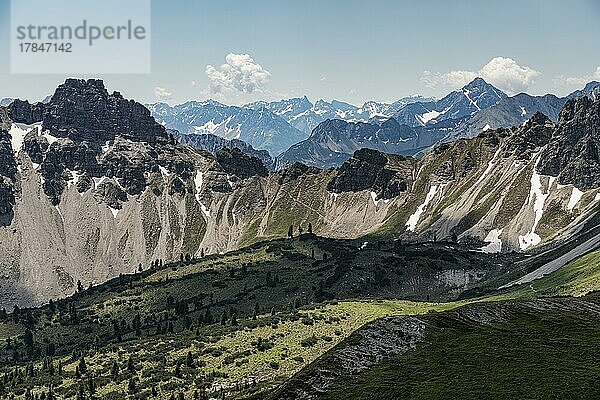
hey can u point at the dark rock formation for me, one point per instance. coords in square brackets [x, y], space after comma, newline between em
[574, 151]
[295, 171]
[83, 110]
[528, 139]
[235, 162]
[371, 170]
[8, 171]
[97, 135]
[25, 113]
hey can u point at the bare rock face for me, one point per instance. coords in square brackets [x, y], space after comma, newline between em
[84, 111]
[371, 170]
[8, 171]
[528, 139]
[23, 112]
[235, 162]
[574, 152]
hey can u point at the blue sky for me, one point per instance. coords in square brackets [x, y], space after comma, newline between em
[348, 50]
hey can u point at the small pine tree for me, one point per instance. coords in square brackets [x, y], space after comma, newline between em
[130, 365]
[310, 228]
[82, 365]
[291, 231]
[131, 386]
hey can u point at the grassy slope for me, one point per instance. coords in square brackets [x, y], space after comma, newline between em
[231, 283]
[578, 278]
[542, 355]
[226, 354]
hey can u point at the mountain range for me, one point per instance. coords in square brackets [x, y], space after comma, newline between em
[297, 130]
[93, 157]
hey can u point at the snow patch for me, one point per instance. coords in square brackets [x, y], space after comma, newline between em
[574, 199]
[428, 116]
[466, 92]
[597, 198]
[538, 198]
[60, 213]
[98, 181]
[374, 198]
[17, 134]
[74, 179]
[165, 172]
[495, 244]
[198, 179]
[523, 111]
[414, 218]
[51, 139]
[205, 210]
[487, 127]
[198, 184]
[114, 211]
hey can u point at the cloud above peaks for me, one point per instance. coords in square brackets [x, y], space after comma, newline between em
[577, 80]
[162, 93]
[240, 73]
[502, 72]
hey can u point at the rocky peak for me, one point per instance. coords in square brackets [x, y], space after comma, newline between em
[295, 171]
[371, 170]
[84, 110]
[529, 138]
[573, 154]
[235, 162]
[22, 112]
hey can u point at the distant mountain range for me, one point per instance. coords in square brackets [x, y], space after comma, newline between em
[415, 127]
[260, 128]
[325, 134]
[271, 126]
[213, 144]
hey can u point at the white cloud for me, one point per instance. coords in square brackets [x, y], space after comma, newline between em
[194, 83]
[323, 79]
[240, 74]
[502, 72]
[162, 93]
[577, 80]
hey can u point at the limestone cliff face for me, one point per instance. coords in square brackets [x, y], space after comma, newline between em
[91, 187]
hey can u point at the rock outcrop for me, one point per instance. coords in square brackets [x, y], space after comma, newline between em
[574, 152]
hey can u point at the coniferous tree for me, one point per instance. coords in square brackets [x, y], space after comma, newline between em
[130, 365]
[82, 365]
[310, 228]
[131, 386]
[28, 338]
[291, 231]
